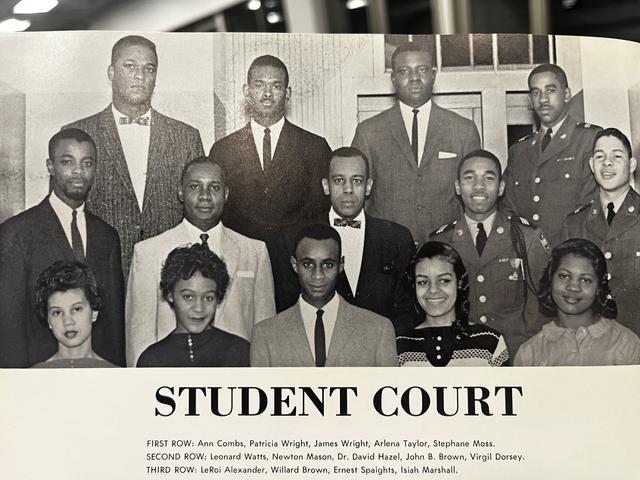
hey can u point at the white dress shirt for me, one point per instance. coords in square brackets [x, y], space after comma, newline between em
[215, 236]
[258, 136]
[555, 128]
[352, 240]
[617, 202]
[424, 112]
[487, 223]
[135, 139]
[329, 317]
[65, 214]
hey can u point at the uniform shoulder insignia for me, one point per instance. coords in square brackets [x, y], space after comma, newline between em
[581, 208]
[544, 242]
[587, 125]
[521, 221]
[531, 135]
[444, 228]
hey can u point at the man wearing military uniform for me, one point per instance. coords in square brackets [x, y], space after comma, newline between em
[505, 256]
[612, 221]
[547, 174]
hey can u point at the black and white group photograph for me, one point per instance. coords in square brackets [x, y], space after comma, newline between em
[274, 200]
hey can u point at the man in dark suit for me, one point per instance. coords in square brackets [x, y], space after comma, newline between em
[376, 251]
[612, 221]
[547, 174]
[59, 228]
[140, 151]
[414, 149]
[321, 329]
[273, 168]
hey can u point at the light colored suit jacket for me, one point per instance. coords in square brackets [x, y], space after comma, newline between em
[360, 339]
[249, 298]
[419, 197]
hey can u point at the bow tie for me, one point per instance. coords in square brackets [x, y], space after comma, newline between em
[341, 222]
[144, 121]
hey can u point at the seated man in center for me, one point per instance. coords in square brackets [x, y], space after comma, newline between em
[322, 329]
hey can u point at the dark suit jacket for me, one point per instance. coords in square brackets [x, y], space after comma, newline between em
[112, 197]
[360, 339]
[287, 195]
[420, 198]
[388, 248]
[30, 242]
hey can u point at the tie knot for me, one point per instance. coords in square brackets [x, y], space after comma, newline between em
[415, 111]
[480, 227]
[609, 207]
[549, 131]
[343, 222]
[74, 214]
[319, 314]
[144, 121]
[267, 131]
[204, 237]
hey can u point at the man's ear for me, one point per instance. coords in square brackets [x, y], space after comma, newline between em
[181, 195]
[456, 185]
[591, 164]
[49, 166]
[368, 187]
[110, 73]
[325, 186]
[294, 263]
[341, 265]
[567, 95]
[501, 187]
[632, 165]
[287, 94]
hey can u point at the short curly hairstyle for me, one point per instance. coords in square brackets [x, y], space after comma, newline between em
[62, 276]
[183, 262]
[442, 250]
[603, 303]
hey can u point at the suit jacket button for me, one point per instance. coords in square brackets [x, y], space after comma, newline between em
[483, 318]
[607, 255]
[480, 278]
[535, 217]
[419, 207]
[482, 299]
[267, 190]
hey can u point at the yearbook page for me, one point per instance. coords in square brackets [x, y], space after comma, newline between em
[280, 224]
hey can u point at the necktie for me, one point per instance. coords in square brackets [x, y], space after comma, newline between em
[481, 238]
[414, 135]
[144, 121]
[321, 352]
[76, 239]
[342, 222]
[610, 213]
[546, 139]
[204, 237]
[266, 149]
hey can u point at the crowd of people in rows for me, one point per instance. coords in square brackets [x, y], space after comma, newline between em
[411, 247]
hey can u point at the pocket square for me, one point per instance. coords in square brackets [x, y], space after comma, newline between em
[447, 155]
[245, 274]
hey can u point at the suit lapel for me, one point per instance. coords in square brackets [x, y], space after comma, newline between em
[343, 333]
[399, 132]
[52, 229]
[157, 152]
[372, 251]
[229, 254]
[560, 141]
[109, 139]
[627, 216]
[498, 241]
[434, 134]
[462, 241]
[293, 328]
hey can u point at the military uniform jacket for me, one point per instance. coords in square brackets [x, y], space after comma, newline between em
[419, 197]
[620, 244]
[546, 186]
[496, 295]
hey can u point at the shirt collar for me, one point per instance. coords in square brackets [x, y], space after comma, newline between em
[553, 331]
[407, 110]
[487, 223]
[555, 128]
[61, 208]
[117, 114]
[194, 232]
[275, 129]
[617, 202]
[330, 308]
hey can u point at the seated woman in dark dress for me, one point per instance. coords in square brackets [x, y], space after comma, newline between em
[194, 281]
[574, 293]
[68, 300]
[444, 336]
